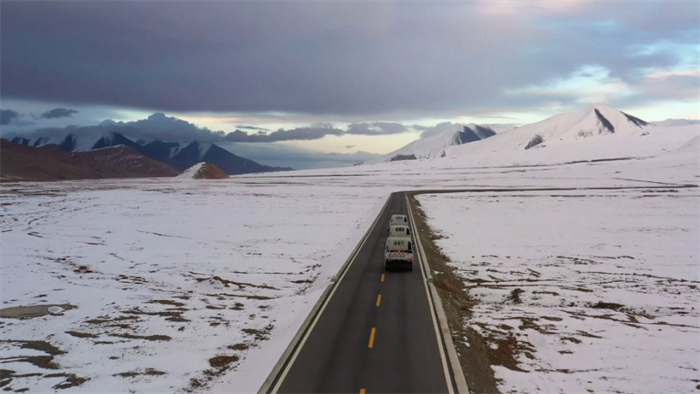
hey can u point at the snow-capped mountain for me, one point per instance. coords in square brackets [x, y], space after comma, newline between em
[598, 122]
[434, 141]
[184, 155]
[593, 122]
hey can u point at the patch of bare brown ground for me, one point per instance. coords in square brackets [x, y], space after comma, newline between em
[210, 171]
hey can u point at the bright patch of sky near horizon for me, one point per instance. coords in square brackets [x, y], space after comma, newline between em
[343, 63]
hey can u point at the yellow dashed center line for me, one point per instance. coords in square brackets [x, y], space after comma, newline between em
[371, 338]
[383, 276]
[363, 391]
[379, 299]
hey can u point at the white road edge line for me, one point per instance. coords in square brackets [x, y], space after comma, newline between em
[439, 317]
[306, 327]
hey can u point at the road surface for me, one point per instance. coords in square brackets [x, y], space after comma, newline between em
[376, 334]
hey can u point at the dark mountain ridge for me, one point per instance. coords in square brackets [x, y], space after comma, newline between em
[473, 133]
[52, 163]
[176, 155]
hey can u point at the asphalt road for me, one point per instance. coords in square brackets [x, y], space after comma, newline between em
[376, 334]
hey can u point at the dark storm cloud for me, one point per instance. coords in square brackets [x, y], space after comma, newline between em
[376, 128]
[58, 113]
[320, 58]
[7, 116]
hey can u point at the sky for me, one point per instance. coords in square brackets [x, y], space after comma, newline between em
[323, 83]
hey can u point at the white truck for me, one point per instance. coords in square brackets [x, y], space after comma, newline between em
[399, 230]
[398, 253]
[398, 250]
[398, 220]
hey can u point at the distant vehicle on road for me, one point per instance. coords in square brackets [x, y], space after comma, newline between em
[396, 220]
[398, 253]
[400, 230]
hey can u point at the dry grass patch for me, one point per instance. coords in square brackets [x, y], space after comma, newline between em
[147, 372]
[82, 334]
[146, 337]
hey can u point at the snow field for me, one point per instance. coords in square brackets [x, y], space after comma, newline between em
[599, 288]
[165, 276]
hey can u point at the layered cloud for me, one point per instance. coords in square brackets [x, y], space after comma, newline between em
[249, 127]
[297, 134]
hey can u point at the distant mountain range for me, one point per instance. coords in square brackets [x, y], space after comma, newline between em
[177, 155]
[597, 121]
[50, 162]
[89, 150]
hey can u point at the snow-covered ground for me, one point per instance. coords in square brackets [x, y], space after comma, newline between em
[165, 276]
[201, 285]
[599, 288]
